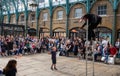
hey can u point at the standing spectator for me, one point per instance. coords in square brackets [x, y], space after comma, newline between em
[10, 46]
[4, 48]
[75, 48]
[10, 69]
[81, 48]
[117, 44]
[105, 42]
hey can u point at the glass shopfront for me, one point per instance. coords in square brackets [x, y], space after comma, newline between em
[11, 29]
[103, 32]
[59, 32]
[44, 32]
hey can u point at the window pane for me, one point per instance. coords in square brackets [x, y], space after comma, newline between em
[78, 12]
[45, 16]
[60, 15]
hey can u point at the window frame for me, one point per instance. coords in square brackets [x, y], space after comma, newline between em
[102, 10]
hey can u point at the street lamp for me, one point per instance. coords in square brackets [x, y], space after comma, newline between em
[33, 3]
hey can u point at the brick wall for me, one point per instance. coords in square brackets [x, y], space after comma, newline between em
[107, 20]
[59, 23]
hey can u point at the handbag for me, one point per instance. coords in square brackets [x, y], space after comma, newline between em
[111, 60]
[58, 54]
[103, 58]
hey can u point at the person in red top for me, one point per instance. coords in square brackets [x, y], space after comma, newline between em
[112, 50]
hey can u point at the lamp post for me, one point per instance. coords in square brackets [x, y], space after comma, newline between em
[33, 5]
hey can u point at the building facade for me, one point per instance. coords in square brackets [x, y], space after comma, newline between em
[60, 17]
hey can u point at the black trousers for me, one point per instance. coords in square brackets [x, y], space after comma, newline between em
[91, 34]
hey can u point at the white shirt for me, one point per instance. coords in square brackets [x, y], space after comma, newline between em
[104, 43]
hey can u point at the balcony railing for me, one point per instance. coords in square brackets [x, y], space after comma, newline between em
[43, 5]
[72, 1]
[60, 2]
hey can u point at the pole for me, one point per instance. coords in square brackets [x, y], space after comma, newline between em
[86, 46]
[1, 20]
[93, 45]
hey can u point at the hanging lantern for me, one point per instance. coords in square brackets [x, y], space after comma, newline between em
[74, 30]
[33, 5]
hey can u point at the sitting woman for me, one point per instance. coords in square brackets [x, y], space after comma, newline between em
[112, 51]
[10, 69]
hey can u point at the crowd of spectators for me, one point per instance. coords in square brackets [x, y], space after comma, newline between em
[18, 46]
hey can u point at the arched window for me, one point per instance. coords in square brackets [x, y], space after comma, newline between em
[76, 32]
[59, 32]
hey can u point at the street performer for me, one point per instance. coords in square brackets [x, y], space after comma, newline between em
[93, 21]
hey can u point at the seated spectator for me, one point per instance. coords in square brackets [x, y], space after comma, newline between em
[112, 55]
[112, 51]
[10, 69]
[105, 53]
[98, 51]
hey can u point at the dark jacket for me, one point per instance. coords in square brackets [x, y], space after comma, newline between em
[11, 72]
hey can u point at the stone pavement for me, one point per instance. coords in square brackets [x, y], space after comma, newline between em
[39, 65]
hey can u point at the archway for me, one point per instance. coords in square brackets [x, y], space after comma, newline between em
[59, 32]
[44, 32]
[32, 32]
[76, 32]
[103, 32]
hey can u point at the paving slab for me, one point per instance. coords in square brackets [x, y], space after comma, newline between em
[39, 65]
